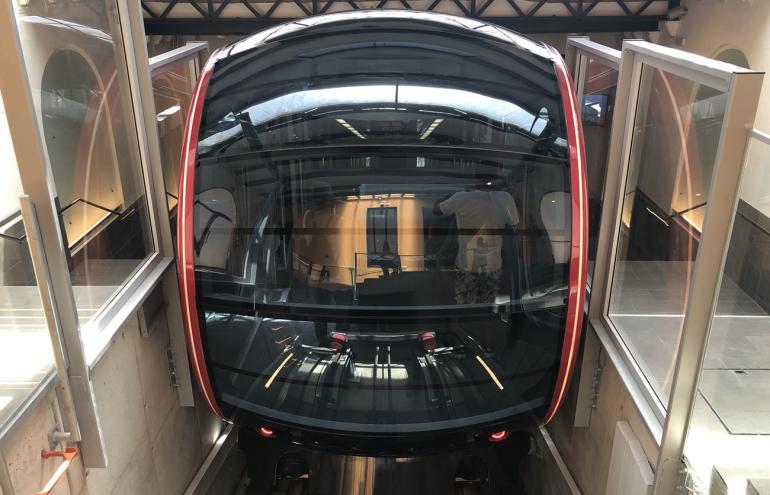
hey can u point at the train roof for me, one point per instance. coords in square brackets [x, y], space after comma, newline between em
[363, 19]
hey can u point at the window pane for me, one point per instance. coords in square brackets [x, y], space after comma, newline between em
[173, 92]
[599, 90]
[26, 356]
[676, 132]
[387, 213]
[730, 429]
[77, 72]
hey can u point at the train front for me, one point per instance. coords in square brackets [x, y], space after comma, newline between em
[381, 232]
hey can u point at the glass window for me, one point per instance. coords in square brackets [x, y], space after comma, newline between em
[598, 106]
[674, 145]
[77, 72]
[729, 434]
[173, 91]
[418, 223]
[26, 355]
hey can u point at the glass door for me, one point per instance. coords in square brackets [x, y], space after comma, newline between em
[674, 163]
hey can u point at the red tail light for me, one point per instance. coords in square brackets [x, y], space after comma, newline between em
[266, 432]
[428, 340]
[499, 436]
[338, 340]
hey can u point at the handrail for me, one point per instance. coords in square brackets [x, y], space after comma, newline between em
[160, 63]
[21, 238]
[68, 455]
[95, 205]
[44, 284]
[764, 137]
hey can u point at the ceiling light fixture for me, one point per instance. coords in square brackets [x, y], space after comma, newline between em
[167, 113]
[349, 127]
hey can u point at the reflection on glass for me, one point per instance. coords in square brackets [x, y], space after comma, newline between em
[729, 435]
[672, 157]
[598, 106]
[26, 356]
[173, 91]
[77, 72]
[419, 224]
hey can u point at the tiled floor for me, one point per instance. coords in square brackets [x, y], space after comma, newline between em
[731, 422]
[740, 399]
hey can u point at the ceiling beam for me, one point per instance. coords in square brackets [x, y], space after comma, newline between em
[577, 25]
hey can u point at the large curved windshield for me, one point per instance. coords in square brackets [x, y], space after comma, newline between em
[389, 236]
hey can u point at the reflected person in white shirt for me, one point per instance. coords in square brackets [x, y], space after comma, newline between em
[482, 215]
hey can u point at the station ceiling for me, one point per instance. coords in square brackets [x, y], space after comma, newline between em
[236, 17]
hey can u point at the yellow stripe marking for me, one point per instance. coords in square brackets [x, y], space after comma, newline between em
[489, 371]
[278, 370]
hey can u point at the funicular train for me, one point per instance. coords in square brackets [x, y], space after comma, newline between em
[382, 233]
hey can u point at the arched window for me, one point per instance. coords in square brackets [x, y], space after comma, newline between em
[91, 143]
[734, 56]
[77, 125]
[69, 85]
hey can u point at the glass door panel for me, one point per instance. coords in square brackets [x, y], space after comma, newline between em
[598, 106]
[26, 354]
[673, 151]
[173, 93]
[729, 436]
[76, 64]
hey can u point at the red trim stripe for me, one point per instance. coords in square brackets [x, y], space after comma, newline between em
[185, 250]
[578, 258]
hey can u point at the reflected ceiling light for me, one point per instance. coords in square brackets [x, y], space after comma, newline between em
[431, 128]
[489, 372]
[167, 113]
[349, 127]
[278, 370]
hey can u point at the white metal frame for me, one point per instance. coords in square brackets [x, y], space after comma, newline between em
[669, 424]
[580, 50]
[196, 50]
[81, 348]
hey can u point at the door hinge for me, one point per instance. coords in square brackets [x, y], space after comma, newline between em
[597, 378]
[688, 483]
[172, 367]
[56, 437]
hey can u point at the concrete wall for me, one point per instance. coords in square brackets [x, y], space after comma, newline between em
[154, 446]
[586, 451]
